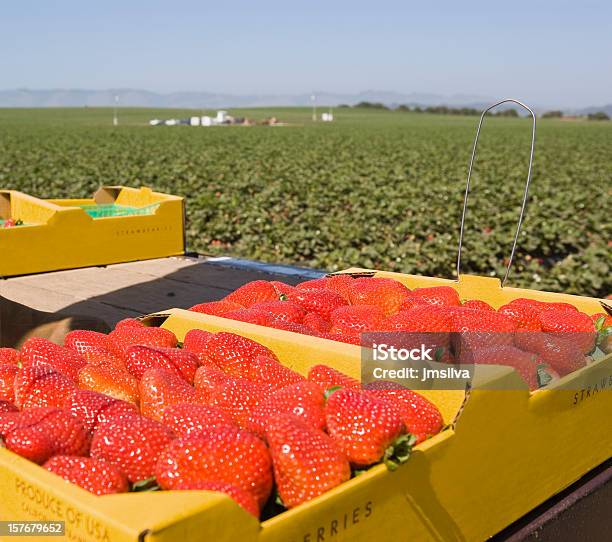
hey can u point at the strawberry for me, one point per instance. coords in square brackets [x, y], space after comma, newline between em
[243, 498]
[366, 429]
[41, 386]
[356, 319]
[559, 351]
[223, 454]
[577, 326]
[126, 336]
[251, 316]
[252, 293]
[313, 284]
[232, 353]
[304, 400]
[196, 341]
[103, 358]
[317, 323]
[436, 295]
[180, 362]
[286, 311]
[541, 306]
[281, 288]
[216, 308]
[93, 408]
[9, 356]
[421, 318]
[132, 444]
[420, 417]
[5, 406]
[326, 378]
[526, 364]
[387, 294]
[341, 284]
[160, 388]
[7, 382]
[97, 477]
[479, 329]
[187, 418]
[129, 322]
[237, 397]
[323, 302]
[40, 433]
[306, 461]
[525, 317]
[266, 370]
[207, 378]
[36, 351]
[349, 338]
[109, 380]
[409, 303]
[81, 341]
[477, 304]
[290, 326]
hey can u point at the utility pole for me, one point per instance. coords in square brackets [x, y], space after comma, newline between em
[314, 108]
[115, 119]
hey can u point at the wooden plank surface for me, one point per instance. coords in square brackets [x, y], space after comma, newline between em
[130, 289]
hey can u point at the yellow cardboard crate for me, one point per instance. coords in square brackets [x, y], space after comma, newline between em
[504, 452]
[118, 224]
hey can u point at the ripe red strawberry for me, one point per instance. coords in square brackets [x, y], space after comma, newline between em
[251, 316]
[5, 406]
[355, 319]
[316, 322]
[313, 284]
[290, 326]
[576, 326]
[480, 329]
[541, 306]
[36, 351]
[348, 338]
[323, 302]
[409, 303]
[41, 386]
[178, 361]
[420, 417]
[7, 382]
[40, 433]
[81, 341]
[111, 381]
[526, 364]
[132, 444]
[366, 429]
[93, 408]
[477, 304]
[306, 461]
[286, 311]
[126, 336]
[436, 295]
[232, 353]
[238, 397]
[103, 358]
[159, 389]
[196, 341]
[525, 317]
[216, 308]
[129, 322]
[266, 370]
[9, 356]
[281, 288]
[304, 400]
[252, 293]
[97, 477]
[188, 418]
[326, 378]
[422, 318]
[207, 378]
[387, 294]
[559, 351]
[223, 454]
[243, 498]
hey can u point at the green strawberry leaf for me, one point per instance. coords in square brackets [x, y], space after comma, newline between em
[399, 452]
[330, 391]
[544, 377]
[150, 484]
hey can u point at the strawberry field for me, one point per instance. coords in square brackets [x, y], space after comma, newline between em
[374, 189]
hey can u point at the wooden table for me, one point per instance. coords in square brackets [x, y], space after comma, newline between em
[581, 512]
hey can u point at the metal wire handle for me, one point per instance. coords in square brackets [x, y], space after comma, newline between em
[467, 187]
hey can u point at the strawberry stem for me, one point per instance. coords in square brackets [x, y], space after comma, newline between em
[330, 391]
[399, 452]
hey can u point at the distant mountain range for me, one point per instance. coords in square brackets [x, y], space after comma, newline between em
[209, 100]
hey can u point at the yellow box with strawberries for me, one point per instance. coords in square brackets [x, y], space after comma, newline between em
[118, 224]
[504, 449]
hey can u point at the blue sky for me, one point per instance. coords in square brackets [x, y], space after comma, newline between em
[554, 53]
